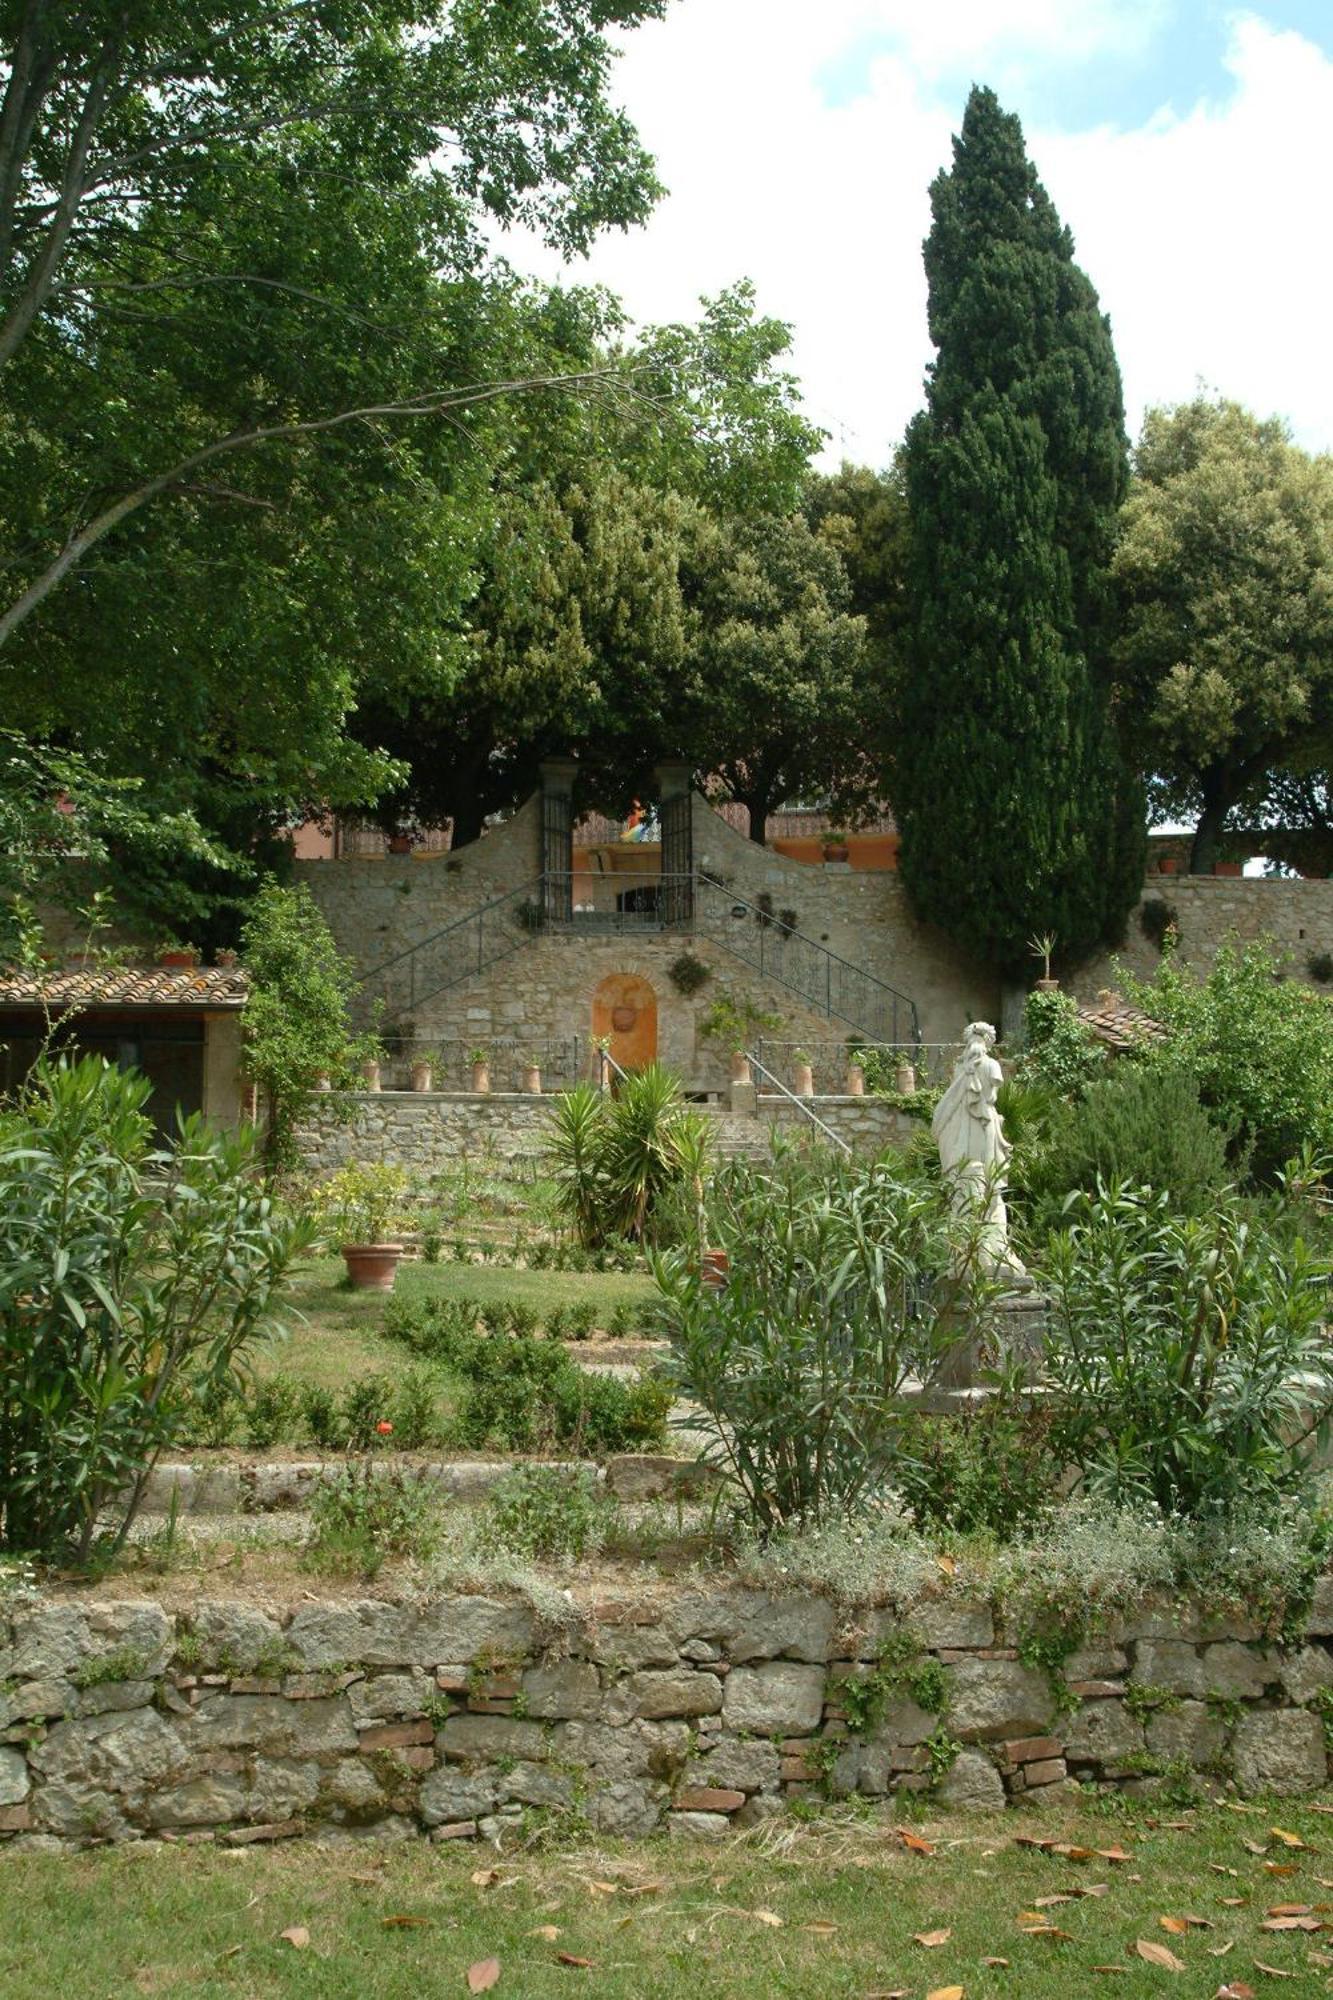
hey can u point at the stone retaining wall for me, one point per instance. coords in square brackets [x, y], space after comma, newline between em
[696, 1709]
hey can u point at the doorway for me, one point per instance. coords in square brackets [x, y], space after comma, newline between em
[624, 1013]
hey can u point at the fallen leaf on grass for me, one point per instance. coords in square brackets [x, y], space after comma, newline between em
[1291, 1924]
[820, 1929]
[1179, 1925]
[1235, 1990]
[1254, 1847]
[889, 1993]
[568, 1958]
[1273, 1971]
[1221, 1950]
[1291, 1840]
[945, 1993]
[603, 1888]
[643, 1888]
[407, 1923]
[1158, 1954]
[484, 1878]
[297, 1936]
[947, 1565]
[1044, 1930]
[1218, 1869]
[483, 1975]
[1233, 1902]
[1049, 1902]
[769, 1917]
[1112, 1854]
[548, 1931]
[1281, 1867]
[1001, 1962]
[931, 1938]
[913, 1841]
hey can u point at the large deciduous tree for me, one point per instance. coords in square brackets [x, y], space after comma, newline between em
[1225, 568]
[1015, 810]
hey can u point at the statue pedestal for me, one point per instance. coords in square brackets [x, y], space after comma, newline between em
[1012, 1337]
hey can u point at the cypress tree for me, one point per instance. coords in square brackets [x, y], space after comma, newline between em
[1016, 812]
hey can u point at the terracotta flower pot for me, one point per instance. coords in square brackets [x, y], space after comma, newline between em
[372, 1267]
[225, 960]
[740, 1066]
[323, 1081]
[835, 851]
[856, 1080]
[400, 843]
[180, 961]
[422, 1075]
[713, 1268]
[805, 1080]
[370, 1074]
[481, 1078]
[532, 1080]
[1048, 986]
[1168, 865]
[1228, 868]
[904, 1081]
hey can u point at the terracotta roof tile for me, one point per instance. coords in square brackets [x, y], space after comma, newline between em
[1117, 1024]
[128, 986]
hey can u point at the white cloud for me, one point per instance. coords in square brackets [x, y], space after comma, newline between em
[1204, 233]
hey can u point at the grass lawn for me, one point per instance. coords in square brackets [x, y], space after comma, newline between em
[829, 1909]
[339, 1339]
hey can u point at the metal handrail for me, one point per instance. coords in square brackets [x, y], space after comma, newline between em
[527, 895]
[800, 1104]
[605, 1061]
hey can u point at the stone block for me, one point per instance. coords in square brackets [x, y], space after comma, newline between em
[1279, 1750]
[15, 1783]
[655, 1476]
[1047, 1771]
[1306, 1673]
[1239, 1673]
[210, 1800]
[559, 1692]
[1319, 1622]
[123, 1752]
[739, 1763]
[755, 1625]
[108, 1695]
[626, 1808]
[386, 1697]
[995, 1699]
[951, 1620]
[536, 1785]
[1103, 1732]
[682, 1691]
[1099, 1660]
[482, 1738]
[779, 1696]
[698, 1825]
[1192, 1731]
[971, 1784]
[234, 1637]
[273, 1725]
[396, 1735]
[449, 1795]
[1169, 1664]
[1030, 1749]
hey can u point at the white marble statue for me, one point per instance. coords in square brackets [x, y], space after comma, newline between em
[974, 1152]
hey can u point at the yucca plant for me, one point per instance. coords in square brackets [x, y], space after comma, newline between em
[642, 1159]
[575, 1154]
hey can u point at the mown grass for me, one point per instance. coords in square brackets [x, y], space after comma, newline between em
[337, 1339]
[843, 1907]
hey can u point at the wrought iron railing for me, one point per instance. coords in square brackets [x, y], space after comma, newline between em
[403, 982]
[561, 1059]
[802, 1105]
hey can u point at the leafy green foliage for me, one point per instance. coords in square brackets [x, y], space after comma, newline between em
[1258, 1047]
[127, 1275]
[615, 1160]
[296, 1024]
[1138, 1126]
[1225, 571]
[990, 1469]
[360, 1202]
[836, 1291]
[1189, 1353]
[361, 1513]
[546, 1513]
[1059, 1053]
[1015, 809]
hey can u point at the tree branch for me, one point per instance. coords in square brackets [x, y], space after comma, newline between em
[29, 80]
[433, 403]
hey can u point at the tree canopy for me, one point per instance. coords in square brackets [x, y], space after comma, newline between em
[1014, 806]
[1225, 569]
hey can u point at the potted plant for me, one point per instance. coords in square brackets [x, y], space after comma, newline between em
[400, 841]
[481, 1071]
[804, 1074]
[836, 845]
[904, 1081]
[423, 1071]
[735, 1024]
[370, 1072]
[181, 956]
[532, 1075]
[355, 1210]
[856, 1078]
[1041, 947]
[225, 959]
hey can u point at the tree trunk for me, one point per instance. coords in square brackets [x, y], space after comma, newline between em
[468, 816]
[1207, 834]
[758, 805]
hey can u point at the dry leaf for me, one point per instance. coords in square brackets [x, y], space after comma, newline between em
[484, 1974]
[1281, 1867]
[995, 1961]
[1176, 1925]
[297, 1936]
[931, 1938]
[1289, 1910]
[1273, 1971]
[1218, 1869]
[913, 1841]
[1254, 1847]
[1112, 1854]
[407, 1923]
[1049, 1902]
[643, 1888]
[1233, 1902]
[548, 1931]
[769, 1917]
[945, 1993]
[947, 1565]
[1221, 1950]
[889, 1993]
[819, 1929]
[484, 1878]
[1291, 1924]
[1235, 1990]
[1044, 1930]
[603, 1888]
[568, 1958]
[1291, 1840]
[1110, 1968]
[1158, 1954]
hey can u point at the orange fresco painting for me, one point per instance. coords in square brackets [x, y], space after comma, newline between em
[624, 1011]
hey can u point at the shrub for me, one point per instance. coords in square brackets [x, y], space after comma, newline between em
[1159, 921]
[1319, 965]
[319, 1412]
[688, 973]
[992, 1468]
[366, 1405]
[582, 1320]
[272, 1410]
[836, 1291]
[1258, 1047]
[362, 1513]
[358, 1203]
[1140, 1126]
[129, 1276]
[1189, 1353]
[615, 1161]
[523, 1320]
[546, 1514]
[1058, 1051]
[416, 1413]
[622, 1324]
[557, 1323]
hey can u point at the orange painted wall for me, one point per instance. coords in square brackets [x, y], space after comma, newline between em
[624, 1010]
[875, 852]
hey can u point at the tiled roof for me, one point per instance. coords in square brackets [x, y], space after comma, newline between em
[1113, 1021]
[128, 986]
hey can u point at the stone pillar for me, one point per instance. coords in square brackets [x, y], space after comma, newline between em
[222, 1089]
[675, 784]
[556, 860]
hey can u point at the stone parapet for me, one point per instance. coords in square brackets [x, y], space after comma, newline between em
[693, 1708]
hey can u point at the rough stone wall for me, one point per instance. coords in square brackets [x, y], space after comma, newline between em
[697, 1709]
[1212, 908]
[432, 1130]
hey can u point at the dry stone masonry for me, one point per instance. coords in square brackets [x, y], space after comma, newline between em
[694, 1709]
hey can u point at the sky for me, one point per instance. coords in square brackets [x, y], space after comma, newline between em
[1187, 144]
